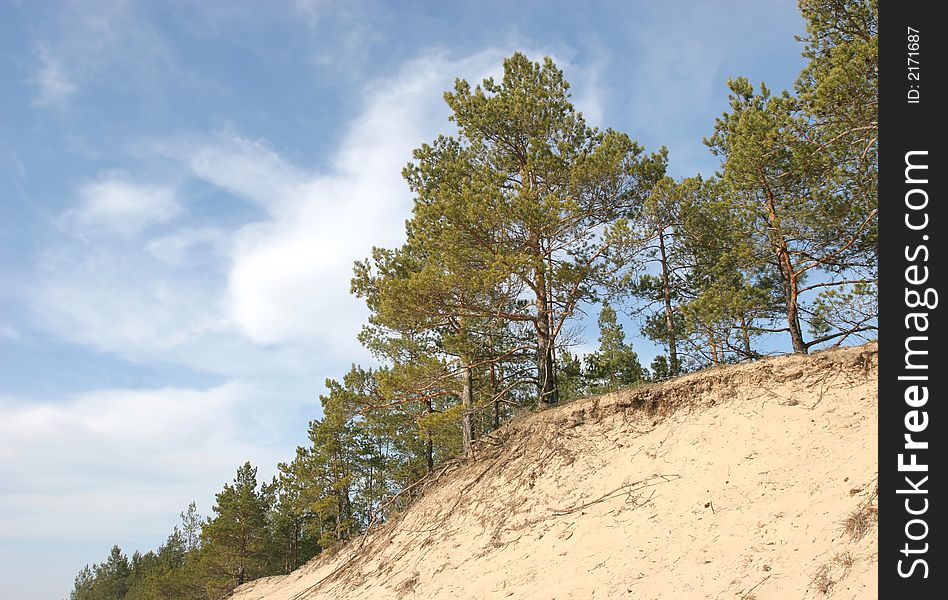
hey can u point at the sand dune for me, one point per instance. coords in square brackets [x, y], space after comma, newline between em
[751, 481]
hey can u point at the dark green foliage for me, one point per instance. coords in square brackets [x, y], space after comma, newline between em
[615, 365]
[660, 368]
[170, 572]
[84, 583]
[572, 380]
[104, 581]
[236, 541]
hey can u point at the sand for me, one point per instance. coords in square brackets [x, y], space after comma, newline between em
[744, 482]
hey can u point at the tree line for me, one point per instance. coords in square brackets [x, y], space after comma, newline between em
[524, 219]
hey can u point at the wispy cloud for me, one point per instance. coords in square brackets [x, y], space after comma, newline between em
[115, 204]
[246, 168]
[310, 10]
[54, 85]
[178, 248]
[195, 181]
[289, 280]
[86, 41]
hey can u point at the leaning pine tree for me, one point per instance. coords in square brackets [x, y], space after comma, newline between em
[811, 229]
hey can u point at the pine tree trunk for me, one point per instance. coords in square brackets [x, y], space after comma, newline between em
[713, 343]
[496, 394]
[792, 291]
[429, 443]
[793, 317]
[745, 337]
[547, 393]
[467, 406]
[790, 276]
[546, 375]
[669, 314]
[545, 371]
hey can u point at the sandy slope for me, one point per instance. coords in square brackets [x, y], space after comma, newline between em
[729, 483]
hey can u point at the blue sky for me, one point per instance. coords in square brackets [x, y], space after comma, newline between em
[184, 187]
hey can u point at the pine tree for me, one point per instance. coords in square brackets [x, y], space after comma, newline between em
[434, 306]
[294, 539]
[660, 368]
[521, 219]
[170, 573]
[191, 528]
[656, 247]
[572, 380]
[106, 581]
[84, 585]
[615, 365]
[330, 465]
[810, 230]
[727, 295]
[235, 542]
[838, 91]
[838, 88]
[526, 191]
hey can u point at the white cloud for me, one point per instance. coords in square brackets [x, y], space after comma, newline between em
[248, 169]
[121, 299]
[289, 282]
[123, 459]
[587, 88]
[178, 247]
[144, 275]
[114, 204]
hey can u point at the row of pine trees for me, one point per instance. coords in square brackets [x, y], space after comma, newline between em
[525, 219]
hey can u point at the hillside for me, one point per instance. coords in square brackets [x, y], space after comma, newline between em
[750, 481]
